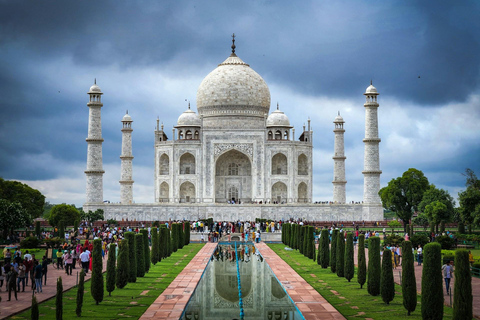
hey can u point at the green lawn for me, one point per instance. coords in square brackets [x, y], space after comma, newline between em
[347, 297]
[129, 302]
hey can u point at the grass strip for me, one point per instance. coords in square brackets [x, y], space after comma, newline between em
[347, 297]
[130, 302]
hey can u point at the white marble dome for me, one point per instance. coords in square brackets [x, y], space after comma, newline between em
[127, 118]
[189, 119]
[233, 84]
[278, 119]
[338, 118]
[95, 89]
[371, 89]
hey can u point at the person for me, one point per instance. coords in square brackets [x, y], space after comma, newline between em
[470, 257]
[38, 276]
[11, 283]
[7, 256]
[447, 274]
[22, 271]
[419, 255]
[85, 259]
[44, 268]
[27, 256]
[32, 271]
[2, 277]
[59, 259]
[28, 266]
[68, 263]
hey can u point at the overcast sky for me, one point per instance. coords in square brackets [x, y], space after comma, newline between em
[317, 58]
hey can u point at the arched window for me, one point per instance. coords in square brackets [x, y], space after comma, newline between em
[164, 164]
[164, 192]
[196, 135]
[270, 135]
[279, 164]
[188, 135]
[233, 169]
[180, 134]
[302, 192]
[187, 164]
[302, 165]
[187, 192]
[278, 135]
[285, 135]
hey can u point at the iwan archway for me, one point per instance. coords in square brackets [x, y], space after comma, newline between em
[233, 177]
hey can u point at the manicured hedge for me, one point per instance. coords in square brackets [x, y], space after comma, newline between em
[432, 282]
[374, 271]
[409, 283]
[387, 286]
[349, 263]
[362, 264]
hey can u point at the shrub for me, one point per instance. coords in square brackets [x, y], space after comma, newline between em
[362, 264]
[30, 243]
[112, 222]
[387, 286]
[132, 261]
[155, 246]
[374, 272]
[187, 233]
[162, 244]
[111, 268]
[61, 229]
[181, 235]
[121, 274]
[324, 250]
[174, 237]
[59, 300]
[462, 304]
[169, 243]
[97, 287]
[156, 224]
[301, 239]
[313, 255]
[419, 240]
[445, 242]
[340, 255]
[349, 263]
[53, 242]
[432, 287]
[333, 252]
[38, 233]
[409, 284]
[393, 240]
[146, 249]
[80, 291]
[140, 254]
[34, 313]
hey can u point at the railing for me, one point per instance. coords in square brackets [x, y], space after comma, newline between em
[475, 272]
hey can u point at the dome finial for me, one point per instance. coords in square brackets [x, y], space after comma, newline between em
[338, 112]
[233, 44]
[127, 111]
[95, 81]
[371, 82]
[277, 105]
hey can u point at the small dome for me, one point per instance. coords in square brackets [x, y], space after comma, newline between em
[371, 89]
[127, 118]
[95, 89]
[338, 118]
[278, 119]
[189, 119]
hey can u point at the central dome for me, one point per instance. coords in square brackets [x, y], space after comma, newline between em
[233, 88]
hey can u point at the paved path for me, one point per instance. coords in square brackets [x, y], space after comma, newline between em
[8, 308]
[171, 303]
[310, 303]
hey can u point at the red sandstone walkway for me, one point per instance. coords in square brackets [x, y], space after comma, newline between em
[9, 308]
[171, 303]
[310, 303]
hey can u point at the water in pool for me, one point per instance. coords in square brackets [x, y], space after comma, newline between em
[216, 296]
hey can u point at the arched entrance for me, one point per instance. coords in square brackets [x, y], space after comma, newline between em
[233, 177]
[279, 192]
[187, 192]
[302, 192]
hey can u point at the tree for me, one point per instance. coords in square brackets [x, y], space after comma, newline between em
[437, 212]
[433, 196]
[463, 302]
[63, 212]
[340, 255]
[169, 243]
[387, 286]
[61, 230]
[132, 262]
[31, 200]
[333, 252]
[75, 227]
[394, 224]
[140, 254]
[324, 249]
[162, 243]
[403, 194]
[421, 220]
[155, 246]
[174, 237]
[59, 300]
[362, 264]
[349, 263]
[187, 233]
[92, 216]
[432, 287]
[146, 249]
[121, 274]
[470, 200]
[112, 257]
[12, 216]
[97, 286]
[34, 313]
[80, 291]
[409, 283]
[374, 271]
[38, 231]
[181, 236]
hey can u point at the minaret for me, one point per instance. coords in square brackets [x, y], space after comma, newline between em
[339, 181]
[126, 182]
[371, 170]
[94, 140]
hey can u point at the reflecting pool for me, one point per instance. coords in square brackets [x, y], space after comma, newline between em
[216, 296]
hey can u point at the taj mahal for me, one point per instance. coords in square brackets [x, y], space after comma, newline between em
[234, 159]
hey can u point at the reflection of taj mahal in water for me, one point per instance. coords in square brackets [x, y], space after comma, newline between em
[233, 151]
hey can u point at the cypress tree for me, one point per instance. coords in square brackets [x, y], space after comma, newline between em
[97, 287]
[162, 246]
[432, 287]
[174, 237]
[123, 265]
[301, 238]
[34, 313]
[61, 229]
[59, 300]
[181, 235]
[387, 286]
[38, 233]
[333, 252]
[293, 235]
[80, 292]
[187, 233]
[284, 232]
[155, 245]
[146, 249]
[323, 258]
[362, 264]
[340, 255]
[169, 243]
[463, 302]
[409, 283]
[313, 256]
[349, 263]
[132, 261]
[112, 257]
[140, 254]
[374, 271]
